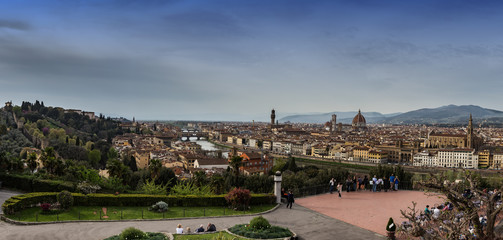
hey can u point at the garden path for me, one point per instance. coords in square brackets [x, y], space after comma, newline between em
[306, 223]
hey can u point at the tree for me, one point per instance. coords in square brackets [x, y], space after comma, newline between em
[470, 203]
[117, 169]
[31, 161]
[154, 167]
[94, 157]
[236, 162]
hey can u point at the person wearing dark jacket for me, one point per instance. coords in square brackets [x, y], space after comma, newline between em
[290, 199]
[386, 184]
[211, 228]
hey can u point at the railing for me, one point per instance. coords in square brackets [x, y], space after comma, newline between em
[325, 188]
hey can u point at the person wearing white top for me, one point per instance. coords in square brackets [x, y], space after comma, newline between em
[436, 213]
[179, 229]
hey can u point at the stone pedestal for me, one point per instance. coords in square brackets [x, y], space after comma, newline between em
[277, 186]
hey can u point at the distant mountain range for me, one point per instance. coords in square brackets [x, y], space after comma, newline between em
[451, 114]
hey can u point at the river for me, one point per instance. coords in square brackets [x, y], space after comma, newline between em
[205, 145]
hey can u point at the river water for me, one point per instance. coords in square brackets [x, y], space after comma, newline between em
[205, 145]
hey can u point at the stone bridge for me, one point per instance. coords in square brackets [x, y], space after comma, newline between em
[188, 135]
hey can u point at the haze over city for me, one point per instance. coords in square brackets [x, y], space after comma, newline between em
[236, 60]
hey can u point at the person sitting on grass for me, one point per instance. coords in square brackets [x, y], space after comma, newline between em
[211, 228]
[179, 229]
[188, 230]
[200, 229]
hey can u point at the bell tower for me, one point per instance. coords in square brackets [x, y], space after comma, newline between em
[273, 117]
[469, 133]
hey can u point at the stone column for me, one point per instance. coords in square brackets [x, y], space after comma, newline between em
[277, 186]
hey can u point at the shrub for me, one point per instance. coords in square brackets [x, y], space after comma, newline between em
[238, 198]
[249, 232]
[132, 233]
[65, 198]
[159, 207]
[259, 223]
[87, 188]
[391, 227]
[151, 188]
[46, 207]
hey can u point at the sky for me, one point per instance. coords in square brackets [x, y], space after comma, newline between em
[236, 60]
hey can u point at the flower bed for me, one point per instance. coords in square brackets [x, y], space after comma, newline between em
[260, 228]
[17, 203]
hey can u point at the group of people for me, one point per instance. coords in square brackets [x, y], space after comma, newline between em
[374, 184]
[210, 228]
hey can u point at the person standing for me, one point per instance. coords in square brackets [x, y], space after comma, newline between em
[386, 184]
[348, 184]
[360, 183]
[354, 183]
[339, 189]
[391, 181]
[332, 185]
[374, 183]
[290, 199]
[396, 183]
[365, 182]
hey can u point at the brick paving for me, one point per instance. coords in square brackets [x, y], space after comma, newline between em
[367, 209]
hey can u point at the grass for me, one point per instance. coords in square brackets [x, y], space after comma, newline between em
[219, 235]
[114, 213]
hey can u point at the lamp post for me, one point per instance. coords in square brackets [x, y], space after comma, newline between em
[277, 186]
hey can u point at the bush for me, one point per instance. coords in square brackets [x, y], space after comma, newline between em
[87, 188]
[238, 198]
[46, 207]
[65, 198]
[132, 233]
[23, 201]
[249, 232]
[259, 223]
[159, 207]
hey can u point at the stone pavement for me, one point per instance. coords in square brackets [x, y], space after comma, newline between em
[306, 223]
[368, 210]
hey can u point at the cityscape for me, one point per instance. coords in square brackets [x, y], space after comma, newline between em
[251, 120]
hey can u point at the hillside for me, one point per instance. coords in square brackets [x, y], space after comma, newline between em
[451, 114]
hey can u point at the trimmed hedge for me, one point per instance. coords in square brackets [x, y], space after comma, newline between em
[20, 202]
[30, 183]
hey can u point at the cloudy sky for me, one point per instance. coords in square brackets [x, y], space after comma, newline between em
[236, 60]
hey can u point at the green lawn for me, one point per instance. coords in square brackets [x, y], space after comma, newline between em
[223, 235]
[118, 213]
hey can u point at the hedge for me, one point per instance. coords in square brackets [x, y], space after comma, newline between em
[30, 183]
[20, 202]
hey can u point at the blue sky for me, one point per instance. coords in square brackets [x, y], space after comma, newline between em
[235, 60]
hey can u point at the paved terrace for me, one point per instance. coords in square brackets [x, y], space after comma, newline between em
[306, 223]
[368, 210]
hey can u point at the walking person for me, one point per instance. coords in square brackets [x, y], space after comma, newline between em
[332, 185]
[290, 199]
[339, 189]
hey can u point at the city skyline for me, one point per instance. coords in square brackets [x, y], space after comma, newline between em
[227, 60]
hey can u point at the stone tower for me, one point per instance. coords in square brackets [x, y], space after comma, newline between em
[273, 116]
[469, 133]
[333, 122]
